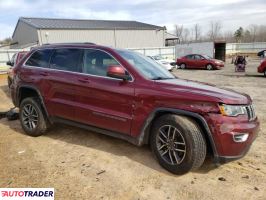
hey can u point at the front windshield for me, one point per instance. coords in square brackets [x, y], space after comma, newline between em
[144, 65]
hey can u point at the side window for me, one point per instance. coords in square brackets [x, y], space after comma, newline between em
[190, 57]
[40, 58]
[197, 57]
[67, 59]
[96, 62]
[13, 59]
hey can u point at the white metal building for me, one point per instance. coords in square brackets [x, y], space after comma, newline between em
[121, 34]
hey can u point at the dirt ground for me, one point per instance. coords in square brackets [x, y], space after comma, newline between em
[86, 165]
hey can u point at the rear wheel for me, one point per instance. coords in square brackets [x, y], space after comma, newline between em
[209, 67]
[32, 118]
[178, 143]
[183, 66]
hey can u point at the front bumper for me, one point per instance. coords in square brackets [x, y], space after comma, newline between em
[219, 66]
[224, 131]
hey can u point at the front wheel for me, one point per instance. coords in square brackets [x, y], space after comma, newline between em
[178, 143]
[265, 73]
[209, 67]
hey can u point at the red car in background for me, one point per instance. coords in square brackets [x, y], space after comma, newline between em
[199, 61]
[262, 67]
[13, 62]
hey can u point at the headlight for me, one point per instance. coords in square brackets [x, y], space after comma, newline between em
[229, 110]
[217, 62]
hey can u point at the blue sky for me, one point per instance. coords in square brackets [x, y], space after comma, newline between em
[231, 13]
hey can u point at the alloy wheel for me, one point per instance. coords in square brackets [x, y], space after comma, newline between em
[171, 145]
[182, 66]
[209, 67]
[29, 117]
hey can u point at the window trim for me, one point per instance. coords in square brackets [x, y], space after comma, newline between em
[82, 73]
[80, 59]
[24, 64]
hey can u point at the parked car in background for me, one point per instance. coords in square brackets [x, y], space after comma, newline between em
[262, 54]
[126, 95]
[198, 61]
[262, 67]
[167, 63]
[14, 61]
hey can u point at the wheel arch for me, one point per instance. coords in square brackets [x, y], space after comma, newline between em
[26, 91]
[145, 132]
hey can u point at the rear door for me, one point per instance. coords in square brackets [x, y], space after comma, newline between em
[189, 60]
[102, 101]
[61, 83]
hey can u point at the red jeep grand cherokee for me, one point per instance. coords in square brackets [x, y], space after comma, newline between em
[126, 95]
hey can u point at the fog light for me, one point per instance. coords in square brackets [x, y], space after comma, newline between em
[240, 137]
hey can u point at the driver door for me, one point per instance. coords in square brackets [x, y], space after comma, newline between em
[103, 101]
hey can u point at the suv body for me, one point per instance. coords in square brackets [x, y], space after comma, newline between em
[262, 67]
[199, 62]
[135, 100]
[14, 60]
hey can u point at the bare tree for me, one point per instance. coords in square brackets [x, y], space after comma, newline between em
[253, 29]
[178, 30]
[185, 35]
[196, 31]
[228, 36]
[215, 30]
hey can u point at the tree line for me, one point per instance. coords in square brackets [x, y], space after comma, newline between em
[252, 33]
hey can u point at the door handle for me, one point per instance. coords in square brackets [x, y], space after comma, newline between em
[84, 80]
[44, 73]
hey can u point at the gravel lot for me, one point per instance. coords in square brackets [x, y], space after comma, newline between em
[86, 165]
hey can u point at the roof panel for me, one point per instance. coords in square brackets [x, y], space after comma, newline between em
[48, 23]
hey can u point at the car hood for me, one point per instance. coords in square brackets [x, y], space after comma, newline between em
[221, 95]
[215, 60]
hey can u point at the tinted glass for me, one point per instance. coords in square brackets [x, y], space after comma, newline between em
[40, 58]
[96, 62]
[197, 57]
[189, 56]
[67, 59]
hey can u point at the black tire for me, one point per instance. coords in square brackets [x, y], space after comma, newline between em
[209, 67]
[264, 73]
[183, 66]
[41, 123]
[195, 145]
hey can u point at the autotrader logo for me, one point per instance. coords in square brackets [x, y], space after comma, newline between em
[27, 193]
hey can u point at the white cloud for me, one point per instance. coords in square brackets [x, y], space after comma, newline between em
[232, 13]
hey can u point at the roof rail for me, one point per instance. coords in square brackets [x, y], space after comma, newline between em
[67, 43]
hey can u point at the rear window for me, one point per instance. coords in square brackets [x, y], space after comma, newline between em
[40, 58]
[67, 60]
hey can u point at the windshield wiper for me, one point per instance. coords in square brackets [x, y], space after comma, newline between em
[161, 78]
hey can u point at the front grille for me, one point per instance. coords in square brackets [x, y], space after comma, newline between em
[250, 112]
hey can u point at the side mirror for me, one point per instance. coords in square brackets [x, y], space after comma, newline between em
[10, 63]
[117, 71]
